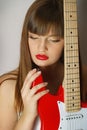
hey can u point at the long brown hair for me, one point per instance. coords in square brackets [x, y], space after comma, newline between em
[41, 16]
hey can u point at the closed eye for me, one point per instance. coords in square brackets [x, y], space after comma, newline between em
[54, 41]
[33, 37]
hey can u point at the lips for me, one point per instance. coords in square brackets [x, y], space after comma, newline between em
[41, 57]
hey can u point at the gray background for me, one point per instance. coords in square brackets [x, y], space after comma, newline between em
[12, 14]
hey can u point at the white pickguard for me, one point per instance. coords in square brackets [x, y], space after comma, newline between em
[72, 121]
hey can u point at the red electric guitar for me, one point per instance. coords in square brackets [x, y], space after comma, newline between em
[65, 111]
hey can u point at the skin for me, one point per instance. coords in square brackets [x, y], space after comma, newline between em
[50, 45]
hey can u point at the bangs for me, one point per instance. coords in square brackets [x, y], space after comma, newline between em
[43, 20]
[42, 28]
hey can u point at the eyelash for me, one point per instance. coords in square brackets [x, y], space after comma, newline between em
[33, 37]
[54, 40]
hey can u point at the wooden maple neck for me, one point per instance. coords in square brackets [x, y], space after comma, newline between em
[71, 59]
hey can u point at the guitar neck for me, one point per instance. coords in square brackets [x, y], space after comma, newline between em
[71, 59]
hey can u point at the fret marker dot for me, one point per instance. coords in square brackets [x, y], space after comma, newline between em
[72, 80]
[75, 65]
[68, 65]
[72, 97]
[73, 90]
[73, 105]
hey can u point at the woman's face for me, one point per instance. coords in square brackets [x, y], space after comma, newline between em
[46, 49]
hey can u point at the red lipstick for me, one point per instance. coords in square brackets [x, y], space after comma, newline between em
[41, 57]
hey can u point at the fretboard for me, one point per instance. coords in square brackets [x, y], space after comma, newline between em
[71, 57]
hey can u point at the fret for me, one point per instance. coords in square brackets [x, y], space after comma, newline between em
[71, 32]
[69, 1]
[72, 86]
[68, 53]
[72, 79]
[71, 65]
[75, 102]
[73, 89]
[73, 83]
[73, 105]
[72, 50]
[71, 15]
[77, 98]
[70, 76]
[72, 71]
[70, 24]
[70, 40]
[71, 56]
[75, 67]
[71, 43]
[70, 6]
[73, 109]
[72, 60]
[72, 94]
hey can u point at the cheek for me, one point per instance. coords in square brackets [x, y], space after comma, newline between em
[57, 52]
[31, 48]
[57, 49]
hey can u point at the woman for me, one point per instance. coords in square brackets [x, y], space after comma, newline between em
[42, 46]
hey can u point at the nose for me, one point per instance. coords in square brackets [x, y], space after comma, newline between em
[43, 45]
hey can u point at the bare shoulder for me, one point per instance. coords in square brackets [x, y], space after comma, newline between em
[7, 88]
[8, 116]
[10, 75]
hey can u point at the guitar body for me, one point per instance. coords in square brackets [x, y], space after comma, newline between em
[74, 120]
[49, 112]
[54, 117]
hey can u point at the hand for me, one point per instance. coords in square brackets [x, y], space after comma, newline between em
[29, 96]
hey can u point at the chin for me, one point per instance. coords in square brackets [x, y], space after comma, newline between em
[40, 64]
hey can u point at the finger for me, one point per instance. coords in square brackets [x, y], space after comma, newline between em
[41, 94]
[38, 87]
[33, 78]
[29, 80]
[31, 72]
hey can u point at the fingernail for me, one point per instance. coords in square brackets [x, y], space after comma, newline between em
[47, 90]
[45, 83]
[34, 69]
[39, 72]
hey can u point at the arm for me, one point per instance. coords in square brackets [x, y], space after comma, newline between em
[8, 115]
[30, 97]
